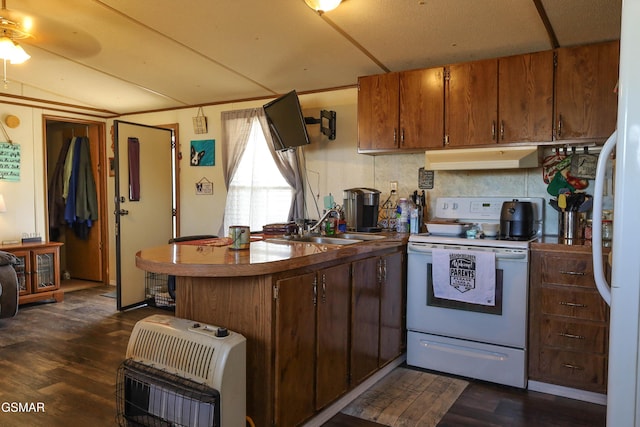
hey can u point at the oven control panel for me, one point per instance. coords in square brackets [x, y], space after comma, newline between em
[479, 209]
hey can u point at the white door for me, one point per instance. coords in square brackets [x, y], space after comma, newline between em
[144, 202]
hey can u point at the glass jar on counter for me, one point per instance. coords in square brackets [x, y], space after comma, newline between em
[607, 232]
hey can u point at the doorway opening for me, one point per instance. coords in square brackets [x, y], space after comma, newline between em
[84, 254]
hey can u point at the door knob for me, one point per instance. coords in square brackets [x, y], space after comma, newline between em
[122, 212]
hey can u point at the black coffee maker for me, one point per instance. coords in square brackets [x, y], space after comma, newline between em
[361, 209]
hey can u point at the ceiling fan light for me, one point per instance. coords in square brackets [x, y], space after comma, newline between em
[11, 51]
[19, 55]
[6, 48]
[323, 5]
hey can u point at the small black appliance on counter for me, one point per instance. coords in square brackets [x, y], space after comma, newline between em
[361, 209]
[517, 220]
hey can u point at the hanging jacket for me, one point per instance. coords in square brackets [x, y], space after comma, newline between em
[56, 199]
[81, 207]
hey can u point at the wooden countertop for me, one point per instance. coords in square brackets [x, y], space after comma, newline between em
[555, 243]
[262, 257]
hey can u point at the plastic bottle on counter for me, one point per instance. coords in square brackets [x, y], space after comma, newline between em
[414, 220]
[402, 216]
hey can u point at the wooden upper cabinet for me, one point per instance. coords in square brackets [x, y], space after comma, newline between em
[525, 98]
[472, 103]
[586, 103]
[378, 110]
[422, 108]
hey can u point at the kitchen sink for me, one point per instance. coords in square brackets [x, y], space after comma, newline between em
[326, 240]
[361, 236]
[341, 239]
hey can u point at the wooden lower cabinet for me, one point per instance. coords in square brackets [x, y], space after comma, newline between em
[332, 334]
[312, 324]
[305, 329]
[569, 322]
[38, 271]
[392, 307]
[295, 323]
[377, 330]
[365, 306]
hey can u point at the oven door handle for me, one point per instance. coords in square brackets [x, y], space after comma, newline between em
[427, 250]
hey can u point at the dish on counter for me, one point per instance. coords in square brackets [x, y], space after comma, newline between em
[447, 228]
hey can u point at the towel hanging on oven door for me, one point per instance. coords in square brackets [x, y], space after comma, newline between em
[467, 276]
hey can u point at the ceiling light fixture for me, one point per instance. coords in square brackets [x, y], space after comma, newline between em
[10, 31]
[322, 6]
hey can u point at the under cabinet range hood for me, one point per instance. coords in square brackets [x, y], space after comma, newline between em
[483, 158]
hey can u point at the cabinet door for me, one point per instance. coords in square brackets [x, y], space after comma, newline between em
[378, 109]
[294, 349]
[23, 271]
[586, 104]
[472, 103]
[525, 98]
[332, 333]
[45, 273]
[422, 108]
[392, 329]
[365, 326]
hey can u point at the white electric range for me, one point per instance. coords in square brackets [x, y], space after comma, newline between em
[479, 339]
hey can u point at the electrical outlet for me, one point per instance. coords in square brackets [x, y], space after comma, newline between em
[394, 186]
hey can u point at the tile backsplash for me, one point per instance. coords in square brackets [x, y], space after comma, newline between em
[404, 168]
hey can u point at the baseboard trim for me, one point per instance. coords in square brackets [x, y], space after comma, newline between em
[572, 393]
[331, 410]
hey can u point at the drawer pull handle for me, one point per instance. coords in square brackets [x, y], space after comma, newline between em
[572, 273]
[572, 304]
[576, 337]
[572, 366]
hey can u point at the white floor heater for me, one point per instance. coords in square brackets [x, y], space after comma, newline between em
[179, 372]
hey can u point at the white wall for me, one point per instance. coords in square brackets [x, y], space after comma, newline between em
[332, 166]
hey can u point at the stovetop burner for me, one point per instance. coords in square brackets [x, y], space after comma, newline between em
[479, 210]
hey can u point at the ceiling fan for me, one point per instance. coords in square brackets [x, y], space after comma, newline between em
[37, 29]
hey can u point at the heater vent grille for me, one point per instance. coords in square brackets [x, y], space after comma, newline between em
[184, 356]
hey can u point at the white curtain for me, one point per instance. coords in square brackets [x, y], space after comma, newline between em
[288, 164]
[236, 131]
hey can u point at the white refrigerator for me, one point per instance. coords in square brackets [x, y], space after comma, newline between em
[623, 396]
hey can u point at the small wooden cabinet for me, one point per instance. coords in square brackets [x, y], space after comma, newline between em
[377, 304]
[503, 100]
[401, 111]
[472, 103]
[38, 271]
[312, 331]
[586, 103]
[378, 112]
[568, 322]
[525, 98]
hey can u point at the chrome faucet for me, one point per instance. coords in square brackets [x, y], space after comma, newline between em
[324, 217]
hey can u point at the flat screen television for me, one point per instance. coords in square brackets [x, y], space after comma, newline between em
[286, 122]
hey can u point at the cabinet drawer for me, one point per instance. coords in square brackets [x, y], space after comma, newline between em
[573, 303]
[573, 369]
[576, 271]
[575, 336]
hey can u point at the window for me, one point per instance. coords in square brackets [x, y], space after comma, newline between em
[258, 194]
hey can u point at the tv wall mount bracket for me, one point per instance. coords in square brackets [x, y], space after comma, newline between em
[327, 122]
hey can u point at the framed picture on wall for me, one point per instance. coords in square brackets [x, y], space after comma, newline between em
[203, 153]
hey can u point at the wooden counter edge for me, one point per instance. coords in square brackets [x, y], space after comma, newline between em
[356, 250]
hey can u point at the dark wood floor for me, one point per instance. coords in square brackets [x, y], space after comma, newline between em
[66, 355]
